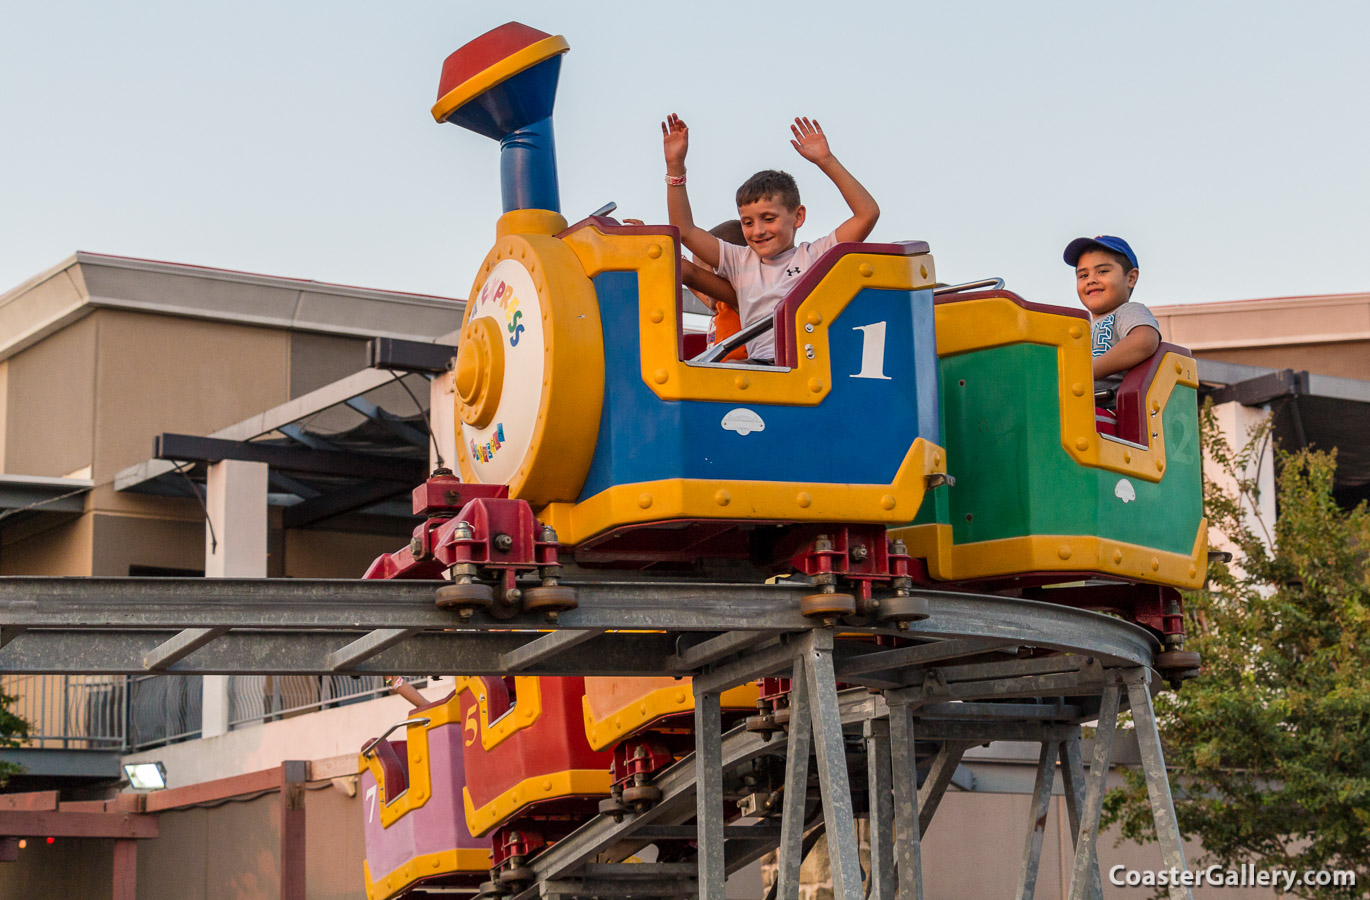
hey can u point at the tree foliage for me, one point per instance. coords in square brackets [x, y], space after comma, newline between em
[13, 731]
[1270, 746]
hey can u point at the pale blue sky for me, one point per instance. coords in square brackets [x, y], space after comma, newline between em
[1229, 142]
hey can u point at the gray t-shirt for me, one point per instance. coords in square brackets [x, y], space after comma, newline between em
[1108, 330]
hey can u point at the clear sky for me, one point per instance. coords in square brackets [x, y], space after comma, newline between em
[1229, 142]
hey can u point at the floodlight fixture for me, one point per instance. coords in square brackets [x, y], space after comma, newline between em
[146, 776]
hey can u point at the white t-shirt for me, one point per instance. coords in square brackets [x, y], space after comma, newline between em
[762, 284]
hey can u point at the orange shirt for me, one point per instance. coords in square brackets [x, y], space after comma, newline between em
[725, 324]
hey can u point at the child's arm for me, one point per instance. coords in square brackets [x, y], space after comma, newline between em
[675, 141]
[812, 144]
[1137, 346]
[706, 283]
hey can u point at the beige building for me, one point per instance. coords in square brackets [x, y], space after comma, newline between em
[1323, 335]
[121, 383]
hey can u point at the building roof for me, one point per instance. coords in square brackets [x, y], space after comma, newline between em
[1270, 322]
[85, 282]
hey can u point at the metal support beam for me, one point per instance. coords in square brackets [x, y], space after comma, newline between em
[397, 426]
[832, 766]
[192, 448]
[343, 500]
[1073, 784]
[709, 793]
[367, 646]
[939, 779]
[924, 654]
[546, 647]
[396, 355]
[881, 806]
[766, 662]
[1153, 768]
[179, 647]
[712, 650]
[795, 796]
[1037, 821]
[1086, 868]
[907, 819]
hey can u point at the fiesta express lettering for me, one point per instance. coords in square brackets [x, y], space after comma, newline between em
[502, 294]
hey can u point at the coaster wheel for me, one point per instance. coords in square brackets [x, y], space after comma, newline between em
[827, 606]
[470, 596]
[550, 598]
[903, 609]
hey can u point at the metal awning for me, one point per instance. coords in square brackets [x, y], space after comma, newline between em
[1310, 410]
[33, 498]
[348, 453]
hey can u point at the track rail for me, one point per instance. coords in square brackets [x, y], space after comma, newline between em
[299, 626]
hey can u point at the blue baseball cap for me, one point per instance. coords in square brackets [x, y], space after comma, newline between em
[1077, 247]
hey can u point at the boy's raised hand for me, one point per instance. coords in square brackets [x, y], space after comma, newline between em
[675, 140]
[809, 140]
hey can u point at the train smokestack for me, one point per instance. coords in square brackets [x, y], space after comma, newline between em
[503, 85]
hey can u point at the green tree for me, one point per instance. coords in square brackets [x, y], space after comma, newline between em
[13, 731]
[1270, 746]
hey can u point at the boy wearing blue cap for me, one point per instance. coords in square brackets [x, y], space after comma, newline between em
[1124, 332]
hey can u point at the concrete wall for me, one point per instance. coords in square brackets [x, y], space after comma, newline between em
[62, 549]
[50, 409]
[1343, 359]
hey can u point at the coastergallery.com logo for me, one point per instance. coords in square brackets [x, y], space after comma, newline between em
[1246, 875]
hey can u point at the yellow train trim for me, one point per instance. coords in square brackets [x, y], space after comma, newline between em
[666, 701]
[420, 787]
[569, 783]
[1055, 553]
[782, 501]
[653, 258]
[502, 70]
[524, 713]
[468, 859]
[973, 325]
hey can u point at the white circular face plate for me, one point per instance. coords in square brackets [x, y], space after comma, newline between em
[498, 450]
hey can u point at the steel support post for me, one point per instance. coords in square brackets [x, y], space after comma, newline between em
[832, 766]
[1086, 845]
[1157, 783]
[939, 777]
[1037, 820]
[877, 734]
[709, 794]
[907, 828]
[796, 788]
[1073, 785]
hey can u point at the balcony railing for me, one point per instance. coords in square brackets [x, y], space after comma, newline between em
[129, 713]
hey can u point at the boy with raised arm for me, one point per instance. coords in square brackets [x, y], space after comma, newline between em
[768, 206]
